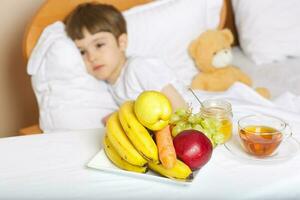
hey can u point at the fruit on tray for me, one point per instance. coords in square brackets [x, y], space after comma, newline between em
[137, 133]
[153, 109]
[193, 148]
[131, 146]
[113, 155]
[121, 143]
[180, 171]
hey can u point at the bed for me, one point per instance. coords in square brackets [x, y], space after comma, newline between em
[53, 166]
[270, 75]
[51, 12]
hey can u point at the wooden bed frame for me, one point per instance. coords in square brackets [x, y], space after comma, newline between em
[52, 11]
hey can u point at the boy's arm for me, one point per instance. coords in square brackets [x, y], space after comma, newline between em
[175, 98]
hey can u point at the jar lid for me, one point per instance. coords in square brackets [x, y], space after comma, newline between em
[216, 107]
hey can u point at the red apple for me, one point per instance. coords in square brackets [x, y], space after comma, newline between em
[193, 148]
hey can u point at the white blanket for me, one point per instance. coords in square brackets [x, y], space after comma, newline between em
[278, 77]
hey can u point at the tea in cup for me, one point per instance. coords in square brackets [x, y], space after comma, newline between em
[262, 134]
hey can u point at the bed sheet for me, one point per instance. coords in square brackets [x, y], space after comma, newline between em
[279, 77]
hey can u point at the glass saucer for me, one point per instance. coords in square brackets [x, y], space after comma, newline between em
[287, 149]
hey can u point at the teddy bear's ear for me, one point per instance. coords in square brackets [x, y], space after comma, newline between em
[192, 48]
[228, 35]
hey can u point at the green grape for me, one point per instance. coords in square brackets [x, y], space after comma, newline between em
[176, 130]
[174, 118]
[187, 126]
[211, 124]
[204, 124]
[182, 112]
[192, 119]
[218, 138]
[195, 119]
[198, 117]
[181, 124]
[198, 127]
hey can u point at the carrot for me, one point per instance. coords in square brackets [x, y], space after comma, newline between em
[166, 150]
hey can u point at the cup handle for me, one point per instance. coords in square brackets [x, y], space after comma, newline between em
[289, 133]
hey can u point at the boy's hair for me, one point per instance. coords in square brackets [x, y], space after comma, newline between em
[95, 17]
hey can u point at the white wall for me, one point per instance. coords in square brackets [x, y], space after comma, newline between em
[17, 102]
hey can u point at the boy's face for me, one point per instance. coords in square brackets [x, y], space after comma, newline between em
[103, 54]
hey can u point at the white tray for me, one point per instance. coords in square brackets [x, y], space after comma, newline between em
[101, 162]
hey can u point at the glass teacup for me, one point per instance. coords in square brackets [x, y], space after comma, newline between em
[262, 134]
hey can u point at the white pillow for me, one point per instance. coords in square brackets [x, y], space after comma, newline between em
[68, 97]
[165, 29]
[268, 30]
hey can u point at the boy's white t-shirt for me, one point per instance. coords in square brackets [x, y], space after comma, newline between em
[140, 74]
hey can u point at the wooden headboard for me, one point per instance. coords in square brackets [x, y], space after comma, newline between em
[52, 11]
[227, 19]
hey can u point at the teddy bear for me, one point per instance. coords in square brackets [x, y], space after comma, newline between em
[211, 52]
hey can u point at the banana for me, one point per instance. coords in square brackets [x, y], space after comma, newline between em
[113, 155]
[121, 143]
[137, 133]
[179, 172]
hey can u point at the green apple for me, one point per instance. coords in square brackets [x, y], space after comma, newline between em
[153, 109]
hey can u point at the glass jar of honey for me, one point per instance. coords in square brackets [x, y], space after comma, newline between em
[218, 111]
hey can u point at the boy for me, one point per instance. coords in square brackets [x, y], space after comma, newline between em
[99, 31]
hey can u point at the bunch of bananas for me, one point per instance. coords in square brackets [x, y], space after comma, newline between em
[130, 146]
